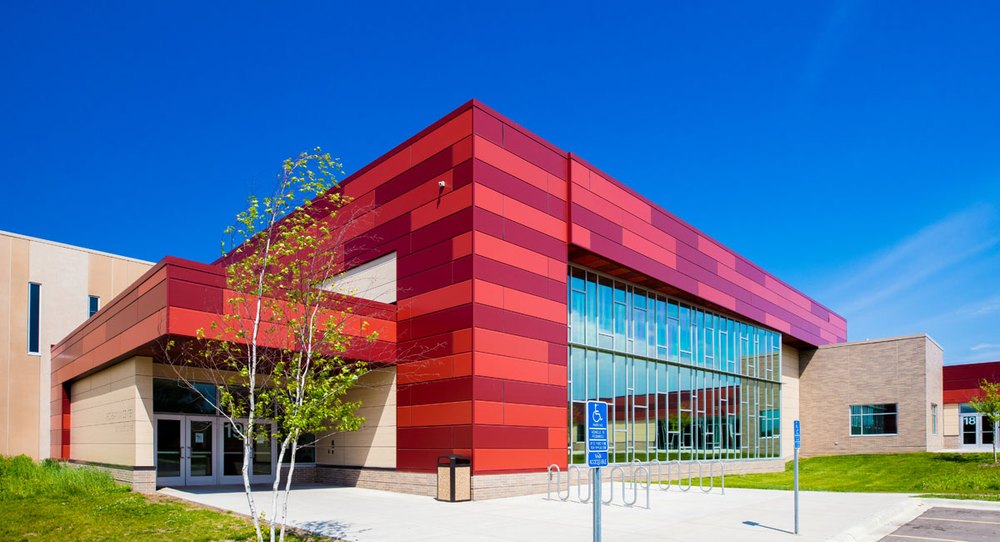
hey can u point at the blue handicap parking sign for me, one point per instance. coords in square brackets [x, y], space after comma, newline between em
[597, 434]
[798, 434]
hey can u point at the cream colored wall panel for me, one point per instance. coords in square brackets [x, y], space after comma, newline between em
[6, 348]
[375, 280]
[111, 421]
[100, 280]
[67, 276]
[789, 397]
[21, 419]
[374, 445]
[951, 416]
[119, 274]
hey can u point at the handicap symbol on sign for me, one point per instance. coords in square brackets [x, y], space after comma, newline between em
[596, 416]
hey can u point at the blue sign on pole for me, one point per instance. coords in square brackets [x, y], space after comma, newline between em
[798, 434]
[597, 434]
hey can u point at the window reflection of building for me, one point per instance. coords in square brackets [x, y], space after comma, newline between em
[709, 392]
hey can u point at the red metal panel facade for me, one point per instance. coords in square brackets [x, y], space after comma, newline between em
[480, 326]
[520, 267]
[961, 382]
[610, 220]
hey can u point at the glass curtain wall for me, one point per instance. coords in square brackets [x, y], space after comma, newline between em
[681, 382]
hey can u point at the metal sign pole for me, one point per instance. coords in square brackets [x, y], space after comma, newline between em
[597, 454]
[597, 504]
[796, 490]
[798, 443]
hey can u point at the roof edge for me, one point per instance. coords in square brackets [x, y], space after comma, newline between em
[74, 247]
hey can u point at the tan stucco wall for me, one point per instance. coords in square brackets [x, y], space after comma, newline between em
[19, 371]
[67, 275]
[870, 372]
[952, 427]
[111, 415]
[374, 445]
[789, 397]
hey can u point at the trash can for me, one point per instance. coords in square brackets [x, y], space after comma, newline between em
[454, 482]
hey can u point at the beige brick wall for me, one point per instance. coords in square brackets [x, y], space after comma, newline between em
[898, 370]
[934, 394]
[111, 415]
[142, 480]
[383, 479]
[374, 445]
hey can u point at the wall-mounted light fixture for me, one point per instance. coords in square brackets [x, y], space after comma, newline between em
[441, 184]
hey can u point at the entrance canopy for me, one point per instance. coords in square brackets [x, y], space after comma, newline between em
[172, 301]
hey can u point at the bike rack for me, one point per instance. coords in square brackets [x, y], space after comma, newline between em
[711, 475]
[637, 471]
[548, 485]
[680, 475]
[635, 486]
[611, 484]
[590, 482]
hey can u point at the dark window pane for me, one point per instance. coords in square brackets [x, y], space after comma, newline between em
[873, 419]
[34, 309]
[168, 447]
[93, 305]
[173, 396]
[306, 452]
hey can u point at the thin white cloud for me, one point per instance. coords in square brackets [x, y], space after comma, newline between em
[986, 346]
[988, 307]
[830, 41]
[937, 248]
[980, 356]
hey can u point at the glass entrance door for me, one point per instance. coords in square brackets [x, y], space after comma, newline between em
[976, 430]
[185, 450]
[970, 429]
[200, 450]
[169, 445]
[262, 460]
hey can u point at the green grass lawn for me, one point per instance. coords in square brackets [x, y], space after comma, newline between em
[940, 474]
[51, 501]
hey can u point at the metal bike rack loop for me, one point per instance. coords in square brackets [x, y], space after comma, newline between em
[548, 485]
[590, 490]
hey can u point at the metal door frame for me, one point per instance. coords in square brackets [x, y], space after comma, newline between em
[170, 480]
[211, 479]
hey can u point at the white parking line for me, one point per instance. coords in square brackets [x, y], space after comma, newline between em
[965, 520]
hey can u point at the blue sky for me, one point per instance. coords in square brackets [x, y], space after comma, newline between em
[851, 148]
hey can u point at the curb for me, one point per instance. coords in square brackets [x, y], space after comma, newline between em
[884, 523]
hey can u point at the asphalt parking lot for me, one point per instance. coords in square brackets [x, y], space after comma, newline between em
[951, 525]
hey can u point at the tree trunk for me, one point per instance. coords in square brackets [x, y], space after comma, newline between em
[247, 452]
[275, 487]
[288, 487]
[995, 426]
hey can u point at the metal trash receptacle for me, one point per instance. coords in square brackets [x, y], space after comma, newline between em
[454, 478]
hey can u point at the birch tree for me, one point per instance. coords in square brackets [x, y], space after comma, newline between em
[987, 403]
[276, 352]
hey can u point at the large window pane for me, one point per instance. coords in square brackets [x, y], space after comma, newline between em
[679, 379]
[174, 396]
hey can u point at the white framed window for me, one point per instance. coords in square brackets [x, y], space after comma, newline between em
[878, 419]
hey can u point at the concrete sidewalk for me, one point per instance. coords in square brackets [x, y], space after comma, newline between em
[739, 515]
